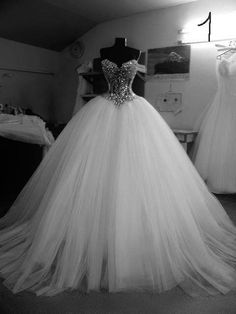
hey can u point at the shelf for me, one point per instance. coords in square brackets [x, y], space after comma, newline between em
[88, 96]
[91, 76]
[91, 73]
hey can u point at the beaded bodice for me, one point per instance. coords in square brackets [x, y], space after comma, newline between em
[119, 80]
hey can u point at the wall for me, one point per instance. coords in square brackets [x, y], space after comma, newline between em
[153, 30]
[65, 86]
[28, 90]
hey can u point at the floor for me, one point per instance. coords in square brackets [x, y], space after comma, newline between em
[170, 302]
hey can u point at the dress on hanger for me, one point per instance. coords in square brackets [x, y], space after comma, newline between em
[117, 204]
[214, 151]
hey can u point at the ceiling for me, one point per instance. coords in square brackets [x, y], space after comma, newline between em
[54, 24]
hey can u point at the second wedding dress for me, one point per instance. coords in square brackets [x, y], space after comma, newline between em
[214, 151]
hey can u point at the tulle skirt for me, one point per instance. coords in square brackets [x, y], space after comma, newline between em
[214, 151]
[117, 204]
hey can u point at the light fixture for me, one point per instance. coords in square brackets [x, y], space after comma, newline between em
[214, 28]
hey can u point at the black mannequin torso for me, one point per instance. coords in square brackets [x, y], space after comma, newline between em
[120, 53]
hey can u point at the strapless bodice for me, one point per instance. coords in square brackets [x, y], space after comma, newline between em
[119, 80]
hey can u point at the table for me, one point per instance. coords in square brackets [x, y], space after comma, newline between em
[24, 141]
[186, 138]
[26, 128]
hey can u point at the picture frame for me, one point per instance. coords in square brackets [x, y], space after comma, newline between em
[169, 63]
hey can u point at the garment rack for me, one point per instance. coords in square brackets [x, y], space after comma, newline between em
[26, 71]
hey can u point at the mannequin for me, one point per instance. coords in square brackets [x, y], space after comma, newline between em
[120, 52]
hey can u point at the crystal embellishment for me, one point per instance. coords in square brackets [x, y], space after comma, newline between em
[119, 80]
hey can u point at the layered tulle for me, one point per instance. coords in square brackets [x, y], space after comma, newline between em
[117, 204]
[214, 152]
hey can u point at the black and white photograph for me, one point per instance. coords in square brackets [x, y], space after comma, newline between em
[118, 157]
[169, 62]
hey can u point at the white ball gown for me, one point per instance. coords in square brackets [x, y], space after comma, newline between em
[117, 204]
[214, 152]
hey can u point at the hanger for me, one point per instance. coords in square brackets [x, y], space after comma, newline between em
[230, 48]
[231, 44]
[220, 46]
[225, 52]
[226, 49]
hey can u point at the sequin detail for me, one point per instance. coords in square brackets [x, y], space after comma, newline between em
[119, 80]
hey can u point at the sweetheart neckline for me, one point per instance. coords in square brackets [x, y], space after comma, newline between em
[131, 60]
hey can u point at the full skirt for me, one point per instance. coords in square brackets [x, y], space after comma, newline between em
[214, 151]
[117, 204]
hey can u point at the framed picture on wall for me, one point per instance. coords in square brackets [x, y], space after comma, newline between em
[169, 62]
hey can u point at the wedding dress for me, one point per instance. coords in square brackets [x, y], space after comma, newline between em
[116, 204]
[214, 152]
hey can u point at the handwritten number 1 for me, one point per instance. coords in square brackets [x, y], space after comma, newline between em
[209, 25]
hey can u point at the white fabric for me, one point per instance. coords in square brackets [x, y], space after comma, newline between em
[214, 152]
[25, 128]
[116, 203]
